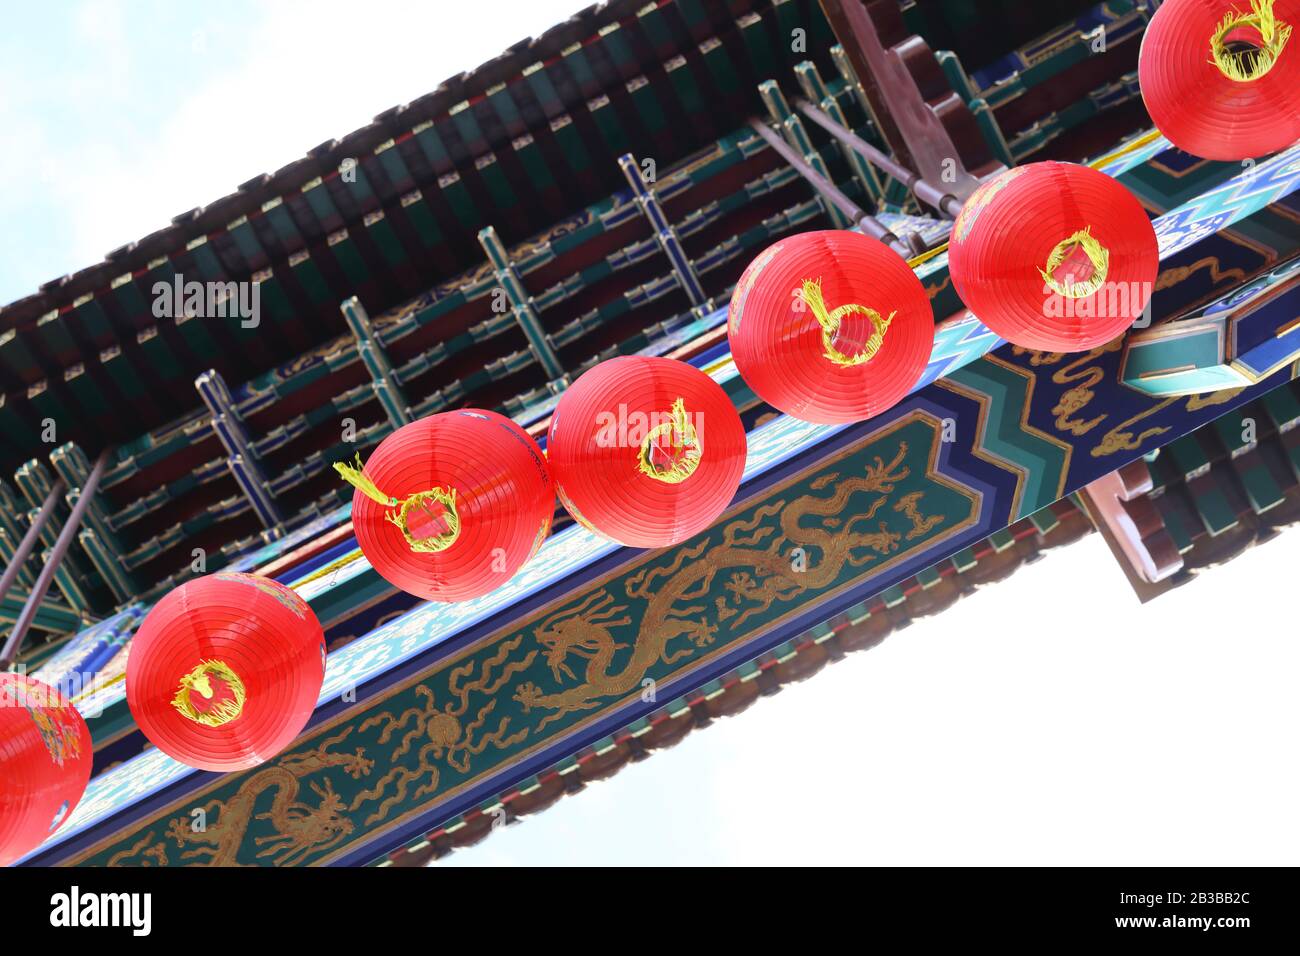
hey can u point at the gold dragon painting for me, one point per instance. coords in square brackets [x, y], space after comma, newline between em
[646, 623]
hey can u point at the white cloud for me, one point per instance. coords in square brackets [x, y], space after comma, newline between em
[261, 94]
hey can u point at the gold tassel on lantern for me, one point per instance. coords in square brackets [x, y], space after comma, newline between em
[436, 504]
[1252, 63]
[830, 323]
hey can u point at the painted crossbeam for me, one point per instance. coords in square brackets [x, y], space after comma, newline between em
[931, 497]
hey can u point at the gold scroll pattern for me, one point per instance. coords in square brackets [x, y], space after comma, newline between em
[1075, 414]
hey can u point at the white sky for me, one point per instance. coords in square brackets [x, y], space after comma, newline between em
[117, 116]
[1047, 719]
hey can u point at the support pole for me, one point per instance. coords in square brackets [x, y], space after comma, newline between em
[837, 14]
[60, 550]
[97, 538]
[28, 543]
[792, 131]
[12, 529]
[72, 465]
[35, 480]
[869, 224]
[946, 203]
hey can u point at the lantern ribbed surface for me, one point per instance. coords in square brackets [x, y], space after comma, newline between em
[1222, 80]
[646, 451]
[225, 671]
[1054, 256]
[45, 760]
[830, 326]
[492, 512]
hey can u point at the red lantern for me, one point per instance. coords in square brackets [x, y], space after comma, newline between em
[1054, 256]
[451, 506]
[830, 326]
[45, 758]
[225, 671]
[1222, 79]
[646, 451]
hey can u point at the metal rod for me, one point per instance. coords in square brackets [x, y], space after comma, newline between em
[830, 192]
[791, 129]
[26, 546]
[59, 551]
[946, 203]
[816, 91]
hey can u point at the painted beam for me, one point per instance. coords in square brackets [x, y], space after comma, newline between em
[51, 616]
[485, 708]
[1237, 340]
